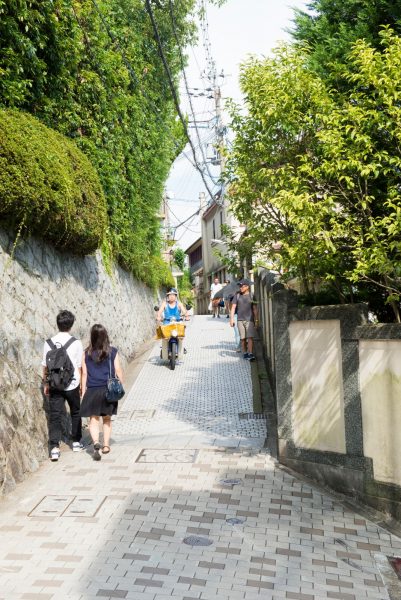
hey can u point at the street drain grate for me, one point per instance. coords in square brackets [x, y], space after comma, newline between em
[395, 562]
[252, 416]
[197, 540]
[230, 482]
[235, 521]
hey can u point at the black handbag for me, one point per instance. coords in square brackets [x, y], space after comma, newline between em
[115, 390]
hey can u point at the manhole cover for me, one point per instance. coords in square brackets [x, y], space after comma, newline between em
[230, 481]
[197, 540]
[235, 521]
[395, 562]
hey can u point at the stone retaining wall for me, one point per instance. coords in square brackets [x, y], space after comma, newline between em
[36, 282]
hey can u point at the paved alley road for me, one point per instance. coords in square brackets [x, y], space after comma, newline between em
[201, 402]
[187, 506]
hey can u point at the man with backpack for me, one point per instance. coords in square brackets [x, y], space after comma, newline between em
[62, 360]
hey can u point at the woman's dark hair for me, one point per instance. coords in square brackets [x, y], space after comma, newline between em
[65, 320]
[99, 345]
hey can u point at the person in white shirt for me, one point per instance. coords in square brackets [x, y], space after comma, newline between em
[214, 288]
[57, 398]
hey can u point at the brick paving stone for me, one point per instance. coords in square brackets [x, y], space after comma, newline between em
[112, 593]
[295, 542]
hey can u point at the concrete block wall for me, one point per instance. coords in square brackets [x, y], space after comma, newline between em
[36, 282]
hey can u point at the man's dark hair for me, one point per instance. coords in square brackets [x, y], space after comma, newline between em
[65, 320]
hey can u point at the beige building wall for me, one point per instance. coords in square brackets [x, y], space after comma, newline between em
[211, 262]
[318, 399]
[380, 385]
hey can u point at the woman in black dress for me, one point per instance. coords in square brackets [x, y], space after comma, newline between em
[99, 362]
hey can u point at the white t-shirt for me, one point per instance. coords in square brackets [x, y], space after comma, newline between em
[74, 351]
[214, 288]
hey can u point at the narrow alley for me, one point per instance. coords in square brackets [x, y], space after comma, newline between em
[188, 505]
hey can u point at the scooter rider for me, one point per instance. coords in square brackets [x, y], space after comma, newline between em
[171, 308]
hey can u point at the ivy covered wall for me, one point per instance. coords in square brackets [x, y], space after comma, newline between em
[90, 69]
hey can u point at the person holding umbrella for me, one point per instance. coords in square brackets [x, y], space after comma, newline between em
[226, 297]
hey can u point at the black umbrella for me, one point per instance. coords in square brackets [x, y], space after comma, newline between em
[228, 290]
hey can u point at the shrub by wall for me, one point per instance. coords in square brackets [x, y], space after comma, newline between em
[48, 187]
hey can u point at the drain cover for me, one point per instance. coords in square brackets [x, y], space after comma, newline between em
[230, 481]
[167, 455]
[252, 416]
[197, 540]
[235, 521]
[395, 562]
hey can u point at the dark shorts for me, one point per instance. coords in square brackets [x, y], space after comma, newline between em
[94, 403]
[246, 329]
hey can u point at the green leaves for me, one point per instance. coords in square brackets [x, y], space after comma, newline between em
[92, 72]
[320, 172]
[48, 185]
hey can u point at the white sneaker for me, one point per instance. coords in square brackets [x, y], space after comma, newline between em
[55, 454]
[77, 446]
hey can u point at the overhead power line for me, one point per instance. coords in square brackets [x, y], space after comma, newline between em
[174, 94]
[134, 76]
[173, 22]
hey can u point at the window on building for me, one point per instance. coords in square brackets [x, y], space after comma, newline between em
[214, 229]
[195, 256]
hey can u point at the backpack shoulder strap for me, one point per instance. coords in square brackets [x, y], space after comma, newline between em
[70, 341]
[51, 344]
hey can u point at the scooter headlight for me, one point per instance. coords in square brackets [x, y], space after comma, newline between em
[174, 333]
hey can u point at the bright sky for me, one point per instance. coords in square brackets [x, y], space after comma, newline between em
[236, 30]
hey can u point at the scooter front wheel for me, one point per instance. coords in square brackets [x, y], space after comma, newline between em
[173, 354]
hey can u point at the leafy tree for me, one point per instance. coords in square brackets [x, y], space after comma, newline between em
[331, 27]
[185, 287]
[274, 139]
[317, 176]
[179, 258]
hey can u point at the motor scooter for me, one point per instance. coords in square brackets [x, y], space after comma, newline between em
[172, 334]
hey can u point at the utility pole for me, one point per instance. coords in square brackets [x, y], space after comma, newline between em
[165, 215]
[202, 203]
[211, 74]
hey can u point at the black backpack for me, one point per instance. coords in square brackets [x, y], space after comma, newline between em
[60, 370]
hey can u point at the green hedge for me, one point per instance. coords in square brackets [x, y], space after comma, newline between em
[48, 185]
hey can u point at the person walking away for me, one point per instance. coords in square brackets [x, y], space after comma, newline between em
[214, 288]
[100, 361]
[247, 317]
[62, 358]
